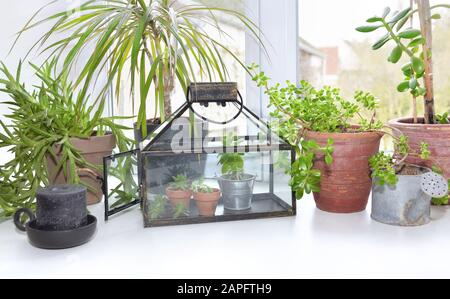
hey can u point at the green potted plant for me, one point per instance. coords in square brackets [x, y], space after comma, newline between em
[159, 208]
[205, 197]
[416, 46]
[398, 197]
[332, 154]
[236, 185]
[158, 43]
[55, 137]
[179, 191]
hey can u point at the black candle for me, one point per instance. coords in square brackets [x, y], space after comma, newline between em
[61, 207]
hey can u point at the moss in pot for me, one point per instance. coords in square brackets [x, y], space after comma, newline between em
[206, 198]
[179, 191]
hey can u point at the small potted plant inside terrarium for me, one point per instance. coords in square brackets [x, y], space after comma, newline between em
[205, 197]
[402, 192]
[179, 191]
[160, 208]
[236, 185]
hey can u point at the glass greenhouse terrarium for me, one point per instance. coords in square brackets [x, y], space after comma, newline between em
[212, 160]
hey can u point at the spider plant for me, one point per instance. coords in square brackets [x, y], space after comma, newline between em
[49, 114]
[157, 43]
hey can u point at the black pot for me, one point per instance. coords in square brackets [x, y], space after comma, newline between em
[61, 207]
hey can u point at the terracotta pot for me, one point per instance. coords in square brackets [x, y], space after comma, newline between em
[207, 202]
[437, 137]
[179, 196]
[93, 150]
[346, 184]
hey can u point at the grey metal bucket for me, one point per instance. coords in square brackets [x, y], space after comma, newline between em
[237, 194]
[404, 204]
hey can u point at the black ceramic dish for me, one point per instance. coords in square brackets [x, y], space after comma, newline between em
[60, 239]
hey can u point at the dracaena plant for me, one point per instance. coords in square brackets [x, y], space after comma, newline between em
[51, 113]
[297, 109]
[156, 43]
[416, 45]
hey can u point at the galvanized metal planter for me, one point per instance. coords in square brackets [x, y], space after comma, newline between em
[404, 204]
[237, 194]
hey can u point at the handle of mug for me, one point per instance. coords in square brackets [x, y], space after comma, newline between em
[18, 218]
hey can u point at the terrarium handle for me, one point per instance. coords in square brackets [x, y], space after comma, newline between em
[220, 97]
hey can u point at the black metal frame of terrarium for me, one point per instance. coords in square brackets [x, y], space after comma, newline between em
[142, 176]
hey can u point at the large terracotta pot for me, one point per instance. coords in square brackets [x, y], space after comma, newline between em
[346, 184]
[437, 137]
[93, 150]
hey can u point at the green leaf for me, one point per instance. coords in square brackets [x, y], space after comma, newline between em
[416, 42]
[400, 15]
[366, 29]
[396, 54]
[403, 86]
[407, 69]
[386, 11]
[409, 33]
[381, 42]
[401, 23]
[418, 65]
[436, 16]
[413, 83]
[374, 20]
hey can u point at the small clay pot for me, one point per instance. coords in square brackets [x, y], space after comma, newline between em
[207, 202]
[179, 196]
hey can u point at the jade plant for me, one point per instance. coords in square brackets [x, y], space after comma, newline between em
[49, 114]
[302, 108]
[416, 45]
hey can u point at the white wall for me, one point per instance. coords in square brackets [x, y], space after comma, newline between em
[278, 20]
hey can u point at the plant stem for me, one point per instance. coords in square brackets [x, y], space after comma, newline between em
[425, 26]
[397, 40]
[415, 109]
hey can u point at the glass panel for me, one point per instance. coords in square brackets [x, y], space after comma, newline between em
[281, 168]
[121, 181]
[190, 188]
[180, 134]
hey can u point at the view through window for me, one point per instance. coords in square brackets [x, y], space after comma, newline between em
[333, 53]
